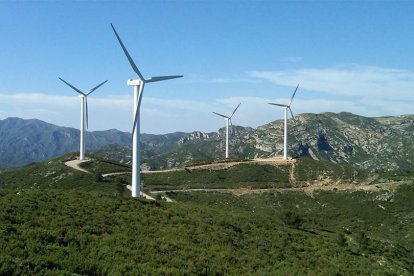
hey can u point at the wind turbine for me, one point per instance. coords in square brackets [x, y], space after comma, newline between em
[227, 119]
[138, 85]
[84, 111]
[285, 134]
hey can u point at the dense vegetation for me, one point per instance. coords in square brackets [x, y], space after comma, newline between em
[239, 176]
[74, 222]
[88, 232]
[307, 170]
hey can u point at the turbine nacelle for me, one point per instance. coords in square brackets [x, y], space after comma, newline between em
[228, 120]
[84, 95]
[132, 82]
[141, 80]
[287, 106]
[84, 114]
[285, 134]
[228, 117]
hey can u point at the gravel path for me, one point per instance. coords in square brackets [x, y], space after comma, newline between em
[224, 165]
[308, 190]
[74, 164]
[117, 173]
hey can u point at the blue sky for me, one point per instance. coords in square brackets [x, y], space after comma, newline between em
[346, 55]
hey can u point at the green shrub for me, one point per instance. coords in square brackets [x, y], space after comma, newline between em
[292, 219]
[341, 240]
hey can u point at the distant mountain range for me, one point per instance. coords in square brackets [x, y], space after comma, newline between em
[383, 143]
[25, 141]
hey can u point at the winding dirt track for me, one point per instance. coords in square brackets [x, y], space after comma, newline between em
[308, 190]
[224, 165]
[116, 173]
[74, 164]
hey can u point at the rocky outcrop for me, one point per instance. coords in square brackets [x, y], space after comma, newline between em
[194, 136]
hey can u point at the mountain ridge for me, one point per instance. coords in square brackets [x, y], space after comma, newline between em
[374, 143]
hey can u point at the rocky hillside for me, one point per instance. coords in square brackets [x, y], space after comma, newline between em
[383, 144]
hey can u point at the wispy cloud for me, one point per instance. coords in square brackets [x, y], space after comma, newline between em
[233, 80]
[375, 92]
[188, 105]
[222, 80]
[347, 80]
[293, 59]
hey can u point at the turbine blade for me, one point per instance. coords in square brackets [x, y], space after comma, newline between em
[135, 122]
[136, 118]
[291, 113]
[162, 78]
[235, 110]
[73, 87]
[96, 87]
[86, 112]
[291, 100]
[134, 67]
[221, 115]
[282, 105]
[231, 126]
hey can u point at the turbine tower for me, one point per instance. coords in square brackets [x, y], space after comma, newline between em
[285, 134]
[228, 119]
[84, 114]
[138, 85]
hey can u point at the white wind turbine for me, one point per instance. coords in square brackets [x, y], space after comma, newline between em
[138, 85]
[228, 119]
[84, 114]
[285, 134]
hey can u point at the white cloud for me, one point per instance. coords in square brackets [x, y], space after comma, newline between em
[220, 80]
[369, 82]
[293, 59]
[378, 92]
[61, 110]
[188, 105]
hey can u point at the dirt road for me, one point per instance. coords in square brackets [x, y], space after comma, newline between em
[116, 173]
[225, 165]
[74, 164]
[308, 190]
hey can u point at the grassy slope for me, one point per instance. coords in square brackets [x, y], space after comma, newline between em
[93, 227]
[243, 175]
[248, 175]
[56, 175]
[89, 232]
